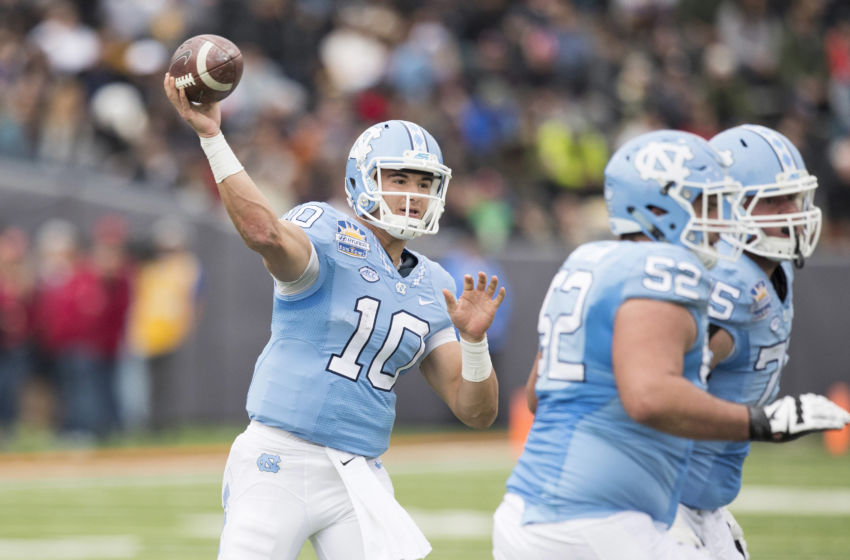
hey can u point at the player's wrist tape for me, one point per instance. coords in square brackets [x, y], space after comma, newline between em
[475, 360]
[223, 161]
[759, 424]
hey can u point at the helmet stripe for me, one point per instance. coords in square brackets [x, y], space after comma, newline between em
[417, 137]
[780, 148]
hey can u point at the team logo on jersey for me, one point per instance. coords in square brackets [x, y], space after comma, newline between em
[351, 239]
[401, 288]
[268, 463]
[368, 273]
[761, 300]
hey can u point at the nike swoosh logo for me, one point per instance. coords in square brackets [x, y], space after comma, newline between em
[346, 462]
[185, 54]
[423, 301]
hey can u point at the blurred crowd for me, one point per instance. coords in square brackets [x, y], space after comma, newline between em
[88, 319]
[528, 98]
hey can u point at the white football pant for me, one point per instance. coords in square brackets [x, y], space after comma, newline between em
[717, 529]
[278, 491]
[630, 534]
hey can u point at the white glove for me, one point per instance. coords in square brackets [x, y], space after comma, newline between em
[791, 417]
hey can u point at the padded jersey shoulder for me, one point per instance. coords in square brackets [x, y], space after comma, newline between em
[650, 270]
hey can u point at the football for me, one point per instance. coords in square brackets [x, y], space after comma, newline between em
[207, 67]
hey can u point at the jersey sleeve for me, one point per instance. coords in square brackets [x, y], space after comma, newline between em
[318, 221]
[442, 280]
[444, 331]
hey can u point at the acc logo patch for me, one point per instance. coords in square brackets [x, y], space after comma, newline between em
[351, 239]
[368, 273]
[774, 324]
[761, 300]
[268, 463]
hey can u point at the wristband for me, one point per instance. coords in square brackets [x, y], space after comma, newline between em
[223, 161]
[759, 424]
[475, 360]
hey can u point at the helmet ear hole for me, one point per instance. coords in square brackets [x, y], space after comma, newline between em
[656, 211]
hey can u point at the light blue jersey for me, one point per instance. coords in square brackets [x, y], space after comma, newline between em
[745, 303]
[337, 349]
[585, 457]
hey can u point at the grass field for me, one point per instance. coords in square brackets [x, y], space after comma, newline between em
[162, 503]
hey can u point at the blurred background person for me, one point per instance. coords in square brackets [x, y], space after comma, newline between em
[16, 285]
[110, 265]
[163, 314]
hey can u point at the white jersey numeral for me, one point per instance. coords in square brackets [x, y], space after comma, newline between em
[721, 307]
[664, 274]
[348, 363]
[551, 330]
[777, 354]
[401, 322]
[305, 215]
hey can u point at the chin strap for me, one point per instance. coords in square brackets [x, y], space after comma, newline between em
[799, 261]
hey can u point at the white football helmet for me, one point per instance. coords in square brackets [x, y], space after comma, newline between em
[396, 145]
[768, 165]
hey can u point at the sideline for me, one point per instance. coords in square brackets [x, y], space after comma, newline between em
[424, 450]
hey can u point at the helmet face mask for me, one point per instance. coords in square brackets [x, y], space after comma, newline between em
[783, 235]
[402, 146]
[672, 186]
[779, 193]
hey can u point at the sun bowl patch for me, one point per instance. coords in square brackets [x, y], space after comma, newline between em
[351, 239]
[368, 274]
[761, 300]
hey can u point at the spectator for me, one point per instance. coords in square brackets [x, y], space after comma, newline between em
[110, 264]
[163, 314]
[15, 325]
[499, 82]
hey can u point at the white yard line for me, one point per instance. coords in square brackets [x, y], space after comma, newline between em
[436, 524]
[84, 547]
[478, 524]
[783, 500]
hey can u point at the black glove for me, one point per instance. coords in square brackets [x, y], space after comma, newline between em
[791, 417]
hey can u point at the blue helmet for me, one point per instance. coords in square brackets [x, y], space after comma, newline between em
[769, 166]
[652, 183]
[396, 145]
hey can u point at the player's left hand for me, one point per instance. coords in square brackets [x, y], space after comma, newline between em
[473, 312]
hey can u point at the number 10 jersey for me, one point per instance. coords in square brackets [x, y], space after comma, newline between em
[338, 347]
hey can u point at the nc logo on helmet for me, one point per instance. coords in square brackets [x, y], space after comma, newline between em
[363, 145]
[663, 162]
